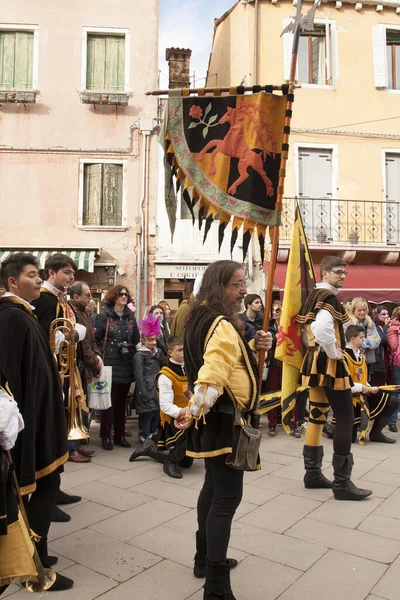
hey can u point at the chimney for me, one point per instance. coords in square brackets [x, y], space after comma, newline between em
[179, 67]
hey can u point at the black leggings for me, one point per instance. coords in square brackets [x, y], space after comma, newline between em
[342, 406]
[39, 508]
[218, 500]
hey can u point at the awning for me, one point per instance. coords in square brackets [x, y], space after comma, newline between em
[84, 258]
[376, 283]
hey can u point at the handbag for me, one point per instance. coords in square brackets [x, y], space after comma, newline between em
[246, 443]
[100, 390]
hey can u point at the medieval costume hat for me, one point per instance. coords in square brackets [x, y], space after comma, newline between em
[150, 326]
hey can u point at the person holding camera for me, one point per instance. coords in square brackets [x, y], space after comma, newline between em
[116, 334]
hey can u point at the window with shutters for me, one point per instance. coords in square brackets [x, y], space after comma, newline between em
[16, 60]
[316, 176]
[102, 195]
[316, 59]
[105, 60]
[393, 58]
[386, 54]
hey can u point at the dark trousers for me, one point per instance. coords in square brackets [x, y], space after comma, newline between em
[39, 508]
[116, 412]
[148, 422]
[218, 500]
[342, 406]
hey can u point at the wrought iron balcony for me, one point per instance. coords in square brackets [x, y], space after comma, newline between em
[344, 222]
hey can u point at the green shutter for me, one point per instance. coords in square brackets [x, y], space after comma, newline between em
[23, 74]
[7, 59]
[92, 193]
[96, 56]
[16, 60]
[112, 195]
[105, 71]
[115, 64]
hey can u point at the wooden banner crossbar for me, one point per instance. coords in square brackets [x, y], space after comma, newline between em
[217, 91]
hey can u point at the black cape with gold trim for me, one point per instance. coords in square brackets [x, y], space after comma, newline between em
[28, 370]
[317, 368]
[217, 436]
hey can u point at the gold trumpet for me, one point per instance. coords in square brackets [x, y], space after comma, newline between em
[63, 348]
[45, 577]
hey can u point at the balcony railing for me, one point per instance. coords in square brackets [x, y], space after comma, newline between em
[335, 221]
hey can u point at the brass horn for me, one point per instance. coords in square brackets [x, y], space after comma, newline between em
[63, 348]
[45, 577]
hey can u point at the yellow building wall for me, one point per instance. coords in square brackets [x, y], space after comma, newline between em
[354, 103]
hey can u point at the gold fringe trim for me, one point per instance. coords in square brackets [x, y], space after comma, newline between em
[210, 454]
[29, 489]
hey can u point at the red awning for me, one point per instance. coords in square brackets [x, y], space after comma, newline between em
[375, 283]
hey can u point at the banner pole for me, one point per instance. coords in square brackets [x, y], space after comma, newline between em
[280, 190]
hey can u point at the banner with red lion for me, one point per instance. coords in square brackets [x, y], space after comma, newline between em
[225, 152]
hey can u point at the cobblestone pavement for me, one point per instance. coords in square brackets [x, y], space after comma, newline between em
[132, 535]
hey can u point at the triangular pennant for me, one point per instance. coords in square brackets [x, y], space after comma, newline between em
[236, 225]
[261, 231]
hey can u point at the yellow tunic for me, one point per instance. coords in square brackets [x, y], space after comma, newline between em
[225, 365]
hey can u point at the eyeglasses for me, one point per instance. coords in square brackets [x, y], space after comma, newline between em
[239, 284]
[277, 310]
[339, 272]
[383, 315]
[121, 294]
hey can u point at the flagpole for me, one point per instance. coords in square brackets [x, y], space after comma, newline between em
[281, 182]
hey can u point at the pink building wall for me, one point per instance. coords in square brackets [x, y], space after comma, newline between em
[42, 144]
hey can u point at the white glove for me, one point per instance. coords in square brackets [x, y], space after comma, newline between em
[11, 421]
[81, 331]
[204, 398]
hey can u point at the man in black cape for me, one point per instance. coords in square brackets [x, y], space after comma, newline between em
[29, 372]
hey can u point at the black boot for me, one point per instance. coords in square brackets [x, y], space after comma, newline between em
[314, 478]
[171, 469]
[199, 569]
[343, 487]
[218, 584]
[119, 440]
[378, 436]
[150, 449]
[59, 516]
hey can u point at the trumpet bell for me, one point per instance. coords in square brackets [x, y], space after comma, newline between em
[77, 433]
[43, 583]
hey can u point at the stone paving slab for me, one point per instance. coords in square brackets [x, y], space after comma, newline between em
[336, 575]
[280, 513]
[389, 586]
[109, 495]
[82, 515]
[105, 555]
[261, 579]
[278, 548]
[165, 580]
[382, 526]
[346, 514]
[346, 540]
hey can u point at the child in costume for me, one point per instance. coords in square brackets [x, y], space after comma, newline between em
[146, 365]
[369, 402]
[174, 394]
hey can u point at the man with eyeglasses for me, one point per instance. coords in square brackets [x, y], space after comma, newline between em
[325, 373]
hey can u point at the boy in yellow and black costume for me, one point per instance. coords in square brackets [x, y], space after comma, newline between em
[370, 404]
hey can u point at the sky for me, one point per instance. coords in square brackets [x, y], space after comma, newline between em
[189, 24]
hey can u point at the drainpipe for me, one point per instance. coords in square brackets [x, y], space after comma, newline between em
[146, 129]
[255, 65]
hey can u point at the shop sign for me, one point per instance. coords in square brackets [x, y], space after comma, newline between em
[173, 271]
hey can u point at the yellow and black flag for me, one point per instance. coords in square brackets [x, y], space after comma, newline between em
[300, 281]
